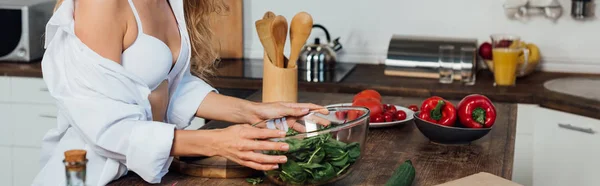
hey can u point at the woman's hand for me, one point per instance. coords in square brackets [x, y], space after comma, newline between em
[238, 143]
[263, 111]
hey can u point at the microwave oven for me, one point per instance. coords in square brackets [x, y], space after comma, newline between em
[22, 33]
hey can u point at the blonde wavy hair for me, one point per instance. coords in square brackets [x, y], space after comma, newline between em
[197, 16]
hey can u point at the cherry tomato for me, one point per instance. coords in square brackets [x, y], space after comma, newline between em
[388, 117]
[385, 107]
[352, 115]
[413, 108]
[369, 93]
[372, 104]
[400, 115]
[377, 119]
[391, 108]
[341, 115]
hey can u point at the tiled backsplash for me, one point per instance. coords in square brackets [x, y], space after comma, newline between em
[365, 27]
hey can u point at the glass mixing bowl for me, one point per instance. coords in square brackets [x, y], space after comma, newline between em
[323, 148]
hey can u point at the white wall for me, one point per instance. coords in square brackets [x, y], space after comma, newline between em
[366, 26]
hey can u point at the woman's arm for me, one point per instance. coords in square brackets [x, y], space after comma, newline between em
[235, 110]
[237, 143]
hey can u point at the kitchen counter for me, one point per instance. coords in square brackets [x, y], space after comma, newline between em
[387, 148]
[242, 75]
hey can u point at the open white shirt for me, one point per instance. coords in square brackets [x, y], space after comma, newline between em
[104, 109]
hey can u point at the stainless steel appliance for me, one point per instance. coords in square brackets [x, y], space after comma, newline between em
[418, 56]
[24, 22]
[317, 61]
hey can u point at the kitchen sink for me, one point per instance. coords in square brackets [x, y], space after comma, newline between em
[576, 86]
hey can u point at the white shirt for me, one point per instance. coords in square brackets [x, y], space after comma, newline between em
[104, 109]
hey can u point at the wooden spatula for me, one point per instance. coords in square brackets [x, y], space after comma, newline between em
[269, 15]
[301, 27]
[263, 27]
[279, 29]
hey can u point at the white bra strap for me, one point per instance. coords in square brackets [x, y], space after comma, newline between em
[137, 17]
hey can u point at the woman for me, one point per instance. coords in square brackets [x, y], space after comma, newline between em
[121, 72]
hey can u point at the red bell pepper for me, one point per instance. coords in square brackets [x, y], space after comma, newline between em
[476, 111]
[437, 110]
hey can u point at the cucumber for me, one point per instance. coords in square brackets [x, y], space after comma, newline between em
[403, 176]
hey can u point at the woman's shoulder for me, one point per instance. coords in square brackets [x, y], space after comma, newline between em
[101, 25]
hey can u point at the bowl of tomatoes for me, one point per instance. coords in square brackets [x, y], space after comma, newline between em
[381, 114]
[443, 122]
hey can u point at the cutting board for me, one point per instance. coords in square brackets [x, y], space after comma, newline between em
[229, 31]
[479, 179]
[211, 167]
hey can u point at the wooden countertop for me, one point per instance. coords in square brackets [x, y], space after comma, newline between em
[530, 89]
[387, 148]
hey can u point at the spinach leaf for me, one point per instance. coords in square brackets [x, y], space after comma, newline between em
[295, 144]
[293, 173]
[323, 174]
[254, 181]
[317, 156]
[353, 151]
[315, 159]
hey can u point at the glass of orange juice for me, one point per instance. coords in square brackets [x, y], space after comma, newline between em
[506, 51]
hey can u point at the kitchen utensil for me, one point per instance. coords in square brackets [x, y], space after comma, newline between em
[506, 49]
[279, 31]
[229, 30]
[263, 27]
[343, 134]
[269, 15]
[409, 116]
[446, 64]
[418, 56]
[318, 60]
[467, 71]
[279, 84]
[301, 28]
[449, 135]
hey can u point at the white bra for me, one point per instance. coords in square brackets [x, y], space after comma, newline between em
[150, 58]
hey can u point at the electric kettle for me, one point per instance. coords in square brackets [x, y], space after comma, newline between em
[316, 62]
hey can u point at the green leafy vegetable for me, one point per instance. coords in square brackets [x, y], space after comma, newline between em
[315, 159]
[254, 181]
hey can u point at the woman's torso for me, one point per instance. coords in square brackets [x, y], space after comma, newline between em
[154, 49]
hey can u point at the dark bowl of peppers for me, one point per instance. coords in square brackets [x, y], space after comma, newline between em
[449, 134]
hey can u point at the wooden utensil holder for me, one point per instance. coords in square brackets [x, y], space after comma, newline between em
[279, 84]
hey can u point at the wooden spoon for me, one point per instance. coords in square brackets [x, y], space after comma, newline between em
[263, 27]
[301, 28]
[279, 29]
[269, 15]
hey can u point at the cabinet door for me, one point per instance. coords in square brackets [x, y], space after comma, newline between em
[25, 165]
[5, 166]
[30, 90]
[564, 156]
[4, 89]
[6, 125]
[31, 122]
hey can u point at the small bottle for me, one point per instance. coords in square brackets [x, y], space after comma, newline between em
[75, 166]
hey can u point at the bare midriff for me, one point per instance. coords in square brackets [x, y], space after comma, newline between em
[159, 101]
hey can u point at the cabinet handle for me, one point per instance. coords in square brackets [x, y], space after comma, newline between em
[47, 116]
[44, 89]
[576, 128]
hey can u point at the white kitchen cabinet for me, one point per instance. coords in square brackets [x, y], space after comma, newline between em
[563, 156]
[4, 89]
[26, 165]
[6, 125]
[33, 123]
[30, 90]
[5, 165]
